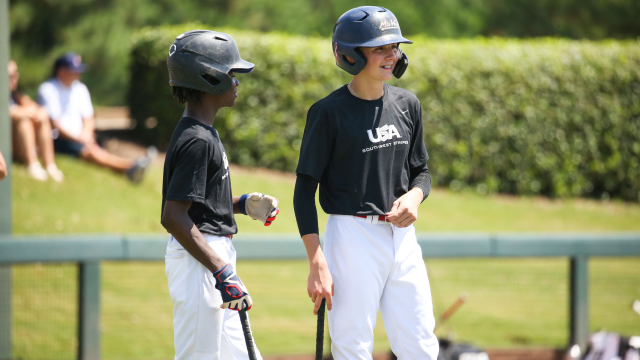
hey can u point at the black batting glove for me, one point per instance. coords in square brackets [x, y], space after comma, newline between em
[234, 294]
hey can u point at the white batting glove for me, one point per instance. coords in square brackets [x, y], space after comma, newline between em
[259, 207]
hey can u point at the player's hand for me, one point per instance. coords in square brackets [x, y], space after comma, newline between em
[234, 294]
[320, 286]
[404, 211]
[260, 207]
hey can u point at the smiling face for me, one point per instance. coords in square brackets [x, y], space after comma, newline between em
[380, 61]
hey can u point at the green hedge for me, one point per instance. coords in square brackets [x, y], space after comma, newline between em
[552, 117]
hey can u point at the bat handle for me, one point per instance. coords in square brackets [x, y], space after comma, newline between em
[248, 337]
[320, 331]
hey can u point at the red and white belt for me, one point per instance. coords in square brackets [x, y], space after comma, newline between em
[374, 218]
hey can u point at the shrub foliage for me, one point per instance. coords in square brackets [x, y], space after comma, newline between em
[547, 116]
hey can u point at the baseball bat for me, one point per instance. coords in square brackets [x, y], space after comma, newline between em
[248, 337]
[320, 331]
[452, 309]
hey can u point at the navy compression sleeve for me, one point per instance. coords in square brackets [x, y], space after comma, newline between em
[304, 204]
[420, 178]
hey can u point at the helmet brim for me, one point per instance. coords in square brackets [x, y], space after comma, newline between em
[242, 67]
[386, 40]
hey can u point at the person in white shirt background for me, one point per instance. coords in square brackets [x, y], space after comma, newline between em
[31, 132]
[68, 103]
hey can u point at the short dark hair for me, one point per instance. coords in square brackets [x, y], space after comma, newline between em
[185, 94]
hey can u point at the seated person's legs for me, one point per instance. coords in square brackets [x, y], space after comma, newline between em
[97, 155]
[31, 127]
[74, 119]
[133, 169]
[24, 147]
[42, 126]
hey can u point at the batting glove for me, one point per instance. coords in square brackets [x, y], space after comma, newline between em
[259, 207]
[234, 294]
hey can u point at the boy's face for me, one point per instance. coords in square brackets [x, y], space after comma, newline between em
[228, 98]
[380, 61]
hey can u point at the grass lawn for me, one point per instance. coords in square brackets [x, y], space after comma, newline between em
[94, 200]
[512, 302]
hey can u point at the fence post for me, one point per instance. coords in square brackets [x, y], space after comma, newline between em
[5, 185]
[89, 311]
[579, 301]
[5, 312]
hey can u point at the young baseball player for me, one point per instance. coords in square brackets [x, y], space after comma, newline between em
[363, 144]
[197, 206]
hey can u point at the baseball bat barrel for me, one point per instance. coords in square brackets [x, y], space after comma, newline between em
[320, 331]
[452, 309]
[248, 337]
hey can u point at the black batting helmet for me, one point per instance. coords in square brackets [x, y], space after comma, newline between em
[202, 60]
[366, 26]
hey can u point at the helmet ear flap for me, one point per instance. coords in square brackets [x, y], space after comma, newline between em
[341, 52]
[401, 65]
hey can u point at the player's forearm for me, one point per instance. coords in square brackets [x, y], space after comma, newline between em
[314, 251]
[420, 178]
[236, 207]
[418, 194]
[304, 204]
[188, 235]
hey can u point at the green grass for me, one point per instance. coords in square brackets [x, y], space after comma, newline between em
[94, 200]
[512, 302]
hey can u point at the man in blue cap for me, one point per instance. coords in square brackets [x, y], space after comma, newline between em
[68, 103]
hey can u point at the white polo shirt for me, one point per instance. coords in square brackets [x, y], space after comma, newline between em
[68, 106]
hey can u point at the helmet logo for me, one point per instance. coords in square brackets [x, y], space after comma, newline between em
[172, 49]
[389, 24]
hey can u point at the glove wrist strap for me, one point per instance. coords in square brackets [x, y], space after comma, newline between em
[223, 273]
[241, 204]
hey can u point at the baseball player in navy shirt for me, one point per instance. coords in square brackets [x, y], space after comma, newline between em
[197, 206]
[363, 145]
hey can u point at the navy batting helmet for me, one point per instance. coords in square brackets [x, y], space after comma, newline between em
[366, 26]
[202, 60]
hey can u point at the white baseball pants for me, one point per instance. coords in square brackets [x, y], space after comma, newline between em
[202, 330]
[377, 266]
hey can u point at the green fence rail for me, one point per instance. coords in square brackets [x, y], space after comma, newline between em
[89, 250]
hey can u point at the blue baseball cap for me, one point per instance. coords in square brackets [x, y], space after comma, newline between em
[71, 61]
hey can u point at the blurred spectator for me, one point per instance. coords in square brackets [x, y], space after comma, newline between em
[68, 103]
[3, 168]
[31, 132]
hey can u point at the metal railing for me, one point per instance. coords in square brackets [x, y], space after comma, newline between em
[89, 250]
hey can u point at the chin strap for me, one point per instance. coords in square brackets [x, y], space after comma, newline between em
[401, 65]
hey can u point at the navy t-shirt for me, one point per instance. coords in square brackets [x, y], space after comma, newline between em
[361, 151]
[196, 169]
